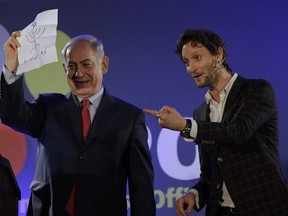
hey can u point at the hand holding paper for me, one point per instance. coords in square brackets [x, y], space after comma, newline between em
[38, 42]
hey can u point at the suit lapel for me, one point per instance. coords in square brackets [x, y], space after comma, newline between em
[74, 116]
[202, 113]
[232, 96]
[103, 115]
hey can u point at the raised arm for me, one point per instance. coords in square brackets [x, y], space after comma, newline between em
[11, 51]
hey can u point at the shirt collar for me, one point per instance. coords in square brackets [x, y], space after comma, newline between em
[225, 90]
[94, 99]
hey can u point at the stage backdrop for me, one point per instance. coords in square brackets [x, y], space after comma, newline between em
[139, 37]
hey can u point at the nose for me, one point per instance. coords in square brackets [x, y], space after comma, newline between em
[190, 69]
[78, 74]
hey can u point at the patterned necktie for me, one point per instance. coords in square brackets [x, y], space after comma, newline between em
[86, 122]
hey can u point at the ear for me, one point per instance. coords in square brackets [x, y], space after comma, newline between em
[105, 64]
[219, 55]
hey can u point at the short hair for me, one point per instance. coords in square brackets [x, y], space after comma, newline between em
[209, 39]
[96, 45]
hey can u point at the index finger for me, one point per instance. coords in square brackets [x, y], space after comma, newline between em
[151, 112]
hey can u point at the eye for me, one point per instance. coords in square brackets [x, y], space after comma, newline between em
[71, 66]
[197, 57]
[87, 65]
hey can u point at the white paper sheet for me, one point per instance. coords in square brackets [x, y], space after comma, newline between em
[38, 42]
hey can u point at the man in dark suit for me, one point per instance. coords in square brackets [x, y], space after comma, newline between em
[92, 170]
[236, 130]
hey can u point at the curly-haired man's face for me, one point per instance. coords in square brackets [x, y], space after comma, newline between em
[201, 65]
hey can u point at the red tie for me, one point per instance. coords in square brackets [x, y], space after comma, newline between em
[85, 128]
[85, 118]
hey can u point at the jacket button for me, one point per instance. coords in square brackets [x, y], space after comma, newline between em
[218, 186]
[220, 159]
[81, 158]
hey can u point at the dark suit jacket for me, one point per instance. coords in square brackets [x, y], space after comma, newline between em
[9, 189]
[115, 150]
[242, 150]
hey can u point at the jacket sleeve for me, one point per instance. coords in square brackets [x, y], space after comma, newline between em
[17, 113]
[141, 174]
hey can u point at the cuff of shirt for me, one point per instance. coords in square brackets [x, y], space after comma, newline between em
[195, 192]
[9, 76]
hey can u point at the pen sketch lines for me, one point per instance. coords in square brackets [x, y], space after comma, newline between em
[35, 33]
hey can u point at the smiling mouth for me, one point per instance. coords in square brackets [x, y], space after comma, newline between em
[78, 82]
[197, 76]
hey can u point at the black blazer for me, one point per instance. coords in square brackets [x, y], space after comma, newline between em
[242, 150]
[115, 151]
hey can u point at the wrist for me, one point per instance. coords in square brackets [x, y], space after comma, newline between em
[186, 131]
[10, 68]
[182, 125]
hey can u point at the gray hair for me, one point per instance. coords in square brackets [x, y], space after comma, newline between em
[93, 41]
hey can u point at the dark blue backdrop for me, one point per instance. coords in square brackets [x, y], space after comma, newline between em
[139, 37]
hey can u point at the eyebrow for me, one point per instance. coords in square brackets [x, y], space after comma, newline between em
[194, 53]
[85, 60]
